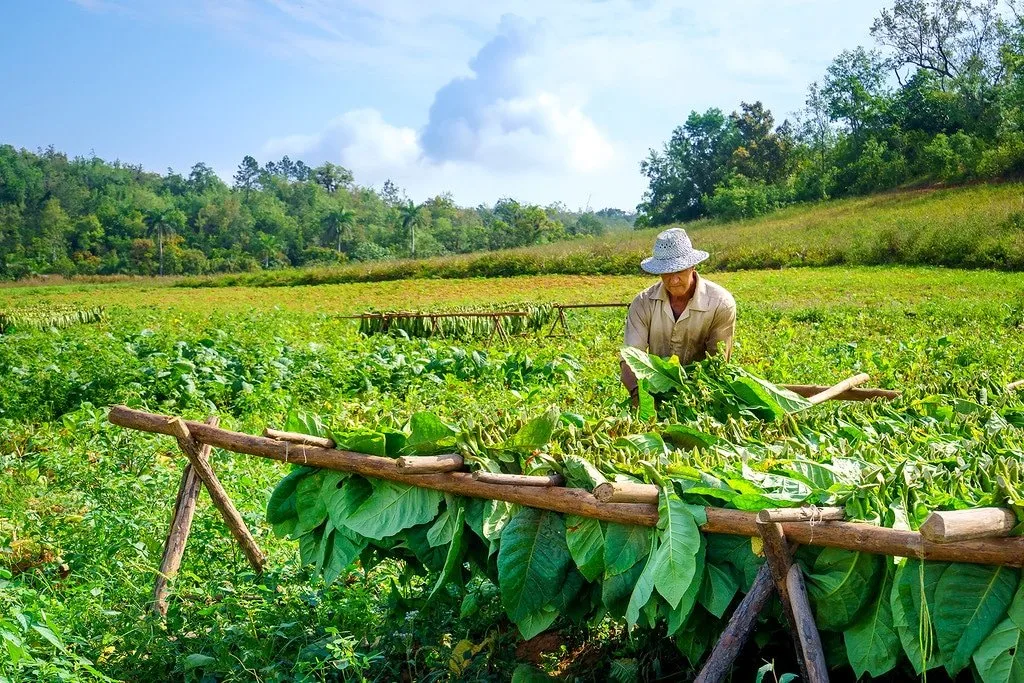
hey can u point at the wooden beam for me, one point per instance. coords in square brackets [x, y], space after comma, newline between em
[430, 464]
[801, 514]
[294, 437]
[235, 523]
[779, 560]
[626, 492]
[741, 624]
[846, 535]
[963, 525]
[519, 479]
[837, 389]
[808, 390]
[181, 526]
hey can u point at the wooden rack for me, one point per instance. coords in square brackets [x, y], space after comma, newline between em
[972, 536]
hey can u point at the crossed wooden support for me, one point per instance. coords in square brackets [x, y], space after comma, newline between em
[197, 473]
[781, 576]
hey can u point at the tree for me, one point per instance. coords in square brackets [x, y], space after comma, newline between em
[202, 178]
[332, 177]
[54, 226]
[160, 220]
[763, 151]
[247, 176]
[854, 90]
[337, 223]
[409, 214]
[695, 160]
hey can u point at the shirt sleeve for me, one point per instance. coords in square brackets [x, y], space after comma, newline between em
[723, 327]
[638, 326]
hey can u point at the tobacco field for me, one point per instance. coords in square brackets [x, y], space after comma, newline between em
[370, 580]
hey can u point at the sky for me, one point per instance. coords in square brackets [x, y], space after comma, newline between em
[539, 101]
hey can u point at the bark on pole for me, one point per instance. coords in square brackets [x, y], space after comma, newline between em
[519, 479]
[846, 535]
[235, 523]
[430, 464]
[719, 664]
[294, 437]
[627, 492]
[812, 652]
[181, 525]
[856, 394]
[838, 389]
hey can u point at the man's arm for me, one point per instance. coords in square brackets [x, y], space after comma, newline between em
[638, 326]
[723, 327]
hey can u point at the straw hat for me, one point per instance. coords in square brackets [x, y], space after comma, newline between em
[672, 252]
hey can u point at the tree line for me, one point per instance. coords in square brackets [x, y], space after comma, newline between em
[939, 98]
[86, 216]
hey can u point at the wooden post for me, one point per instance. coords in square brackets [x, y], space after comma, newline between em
[964, 525]
[181, 525]
[220, 498]
[737, 631]
[813, 653]
[777, 554]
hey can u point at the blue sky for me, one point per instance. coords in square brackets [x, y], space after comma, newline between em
[541, 101]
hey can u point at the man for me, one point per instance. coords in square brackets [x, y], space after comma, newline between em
[684, 315]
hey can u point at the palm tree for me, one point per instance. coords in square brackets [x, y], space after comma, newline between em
[409, 213]
[269, 246]
[338, 223]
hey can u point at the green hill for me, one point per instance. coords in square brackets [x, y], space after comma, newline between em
[980, 226]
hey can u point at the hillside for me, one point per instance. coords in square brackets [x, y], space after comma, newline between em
[980, 226]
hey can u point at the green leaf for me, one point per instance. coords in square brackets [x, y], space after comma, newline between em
[872, 644]
[444, 527]
[535, 623]
[537, 432]
[838, 583]
[310, 504]
[642, 591]
[661, 376]
[624, 546]
[1000, 657]
[913, 602]
[532, 563]
[497, 514]
[689, 438]
[393, 507]
[675, 559]
[194, 661]
[680, 616]
[361, 441]
[616, 589]
[426, 429]
[346, 500]
[456, 551]
[644, 444]
[969, 601]
[344, 549]
[718, 589]
[585, 539]
[524, 673]
[281, 508]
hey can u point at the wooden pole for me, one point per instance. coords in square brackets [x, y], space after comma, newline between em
[719, 664]
[963, 525]
[1012, 386]
[430, 464]
[779, 560]
[837, 389]
[845, 535]
[856, 394]
[236, 525]
[801, 514]
[181, 525]
[812, 652]
[294, 437]
[519, 479]
[626, 492]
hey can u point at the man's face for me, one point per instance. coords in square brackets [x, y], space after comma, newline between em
[678, 283]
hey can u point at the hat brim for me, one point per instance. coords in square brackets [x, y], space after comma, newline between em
[656, 266]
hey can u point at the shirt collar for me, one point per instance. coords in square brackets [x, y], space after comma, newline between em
[699, 301]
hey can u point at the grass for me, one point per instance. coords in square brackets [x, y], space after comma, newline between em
[980, 226]
[84, 505]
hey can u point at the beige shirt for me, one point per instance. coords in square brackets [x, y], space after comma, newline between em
[705, 327]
